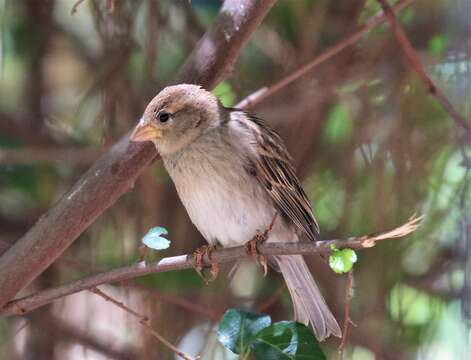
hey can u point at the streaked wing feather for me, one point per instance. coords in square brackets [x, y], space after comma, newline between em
[275, 171]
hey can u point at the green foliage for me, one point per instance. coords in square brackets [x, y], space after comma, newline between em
[154, 240]
[244, 332]
[287, 340]
[437, 44]
[339, 126]
[225, 94]
[327, 193]
[413, 307]
[238, 328]
[341, 261]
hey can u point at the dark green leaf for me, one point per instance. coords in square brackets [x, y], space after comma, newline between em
[286, 340]
[237, 329]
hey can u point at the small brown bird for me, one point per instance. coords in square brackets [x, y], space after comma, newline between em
[233, 175]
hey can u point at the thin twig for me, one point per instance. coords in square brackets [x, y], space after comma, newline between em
[177, 301]
[73, 10]
[346, 319]
[31, 302]
[143, 320]
[270, 300]
[36, 155]
[261, 94]
[414, 62]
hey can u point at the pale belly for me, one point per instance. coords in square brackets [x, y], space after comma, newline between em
[225, 214]
[226, 204]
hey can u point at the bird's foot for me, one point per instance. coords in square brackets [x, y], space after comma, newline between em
[260, 238]
[252, 250]
[199, 254]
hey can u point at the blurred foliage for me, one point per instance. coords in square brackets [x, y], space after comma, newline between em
[371, 145]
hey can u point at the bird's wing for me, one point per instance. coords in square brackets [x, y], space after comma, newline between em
[274, 170]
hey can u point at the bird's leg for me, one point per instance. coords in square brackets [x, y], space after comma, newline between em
[259, 238]
[198, 256]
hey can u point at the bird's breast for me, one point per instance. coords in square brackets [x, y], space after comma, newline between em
[226, 204]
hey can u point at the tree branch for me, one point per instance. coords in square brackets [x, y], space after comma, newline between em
[115, 172]
[35, 155]
[29, 303]
[266, 91]
[346, 317]
[143, 321]
[415, 64]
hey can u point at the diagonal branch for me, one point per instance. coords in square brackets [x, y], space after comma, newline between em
[36, 155]
[266, 91]
[115, 172]
[143, 321]
[29, 303]
[415, 64]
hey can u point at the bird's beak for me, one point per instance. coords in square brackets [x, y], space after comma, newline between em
[145, 132]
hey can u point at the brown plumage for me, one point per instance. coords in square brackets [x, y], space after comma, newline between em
[275, 171]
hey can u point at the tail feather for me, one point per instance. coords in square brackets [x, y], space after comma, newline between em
[309, 305]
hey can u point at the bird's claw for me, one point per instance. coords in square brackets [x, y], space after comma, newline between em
[252, 249]
[259, 238]
[199, 254]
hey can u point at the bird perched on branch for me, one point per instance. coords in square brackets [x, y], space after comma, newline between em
[234, 175]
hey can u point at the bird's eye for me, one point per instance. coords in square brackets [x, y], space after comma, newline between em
[164, 116]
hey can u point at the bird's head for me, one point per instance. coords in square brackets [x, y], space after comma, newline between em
[177, 116]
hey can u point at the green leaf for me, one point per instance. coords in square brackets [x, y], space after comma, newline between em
[154, 240]
[339, 126]
[286, 340]
[237, 329]
[225, 94]
[341, 261]
[437, 44]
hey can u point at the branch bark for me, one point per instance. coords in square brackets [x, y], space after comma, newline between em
[415, 64]
[266, 91]
[35, 155]
[29, 303]
[115, 172]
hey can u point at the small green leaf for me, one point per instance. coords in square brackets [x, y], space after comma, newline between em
[341, 261]
[338, 127]
[437, 44]
[237, 329]
[286, 340]
[154, 240]
[225, 94]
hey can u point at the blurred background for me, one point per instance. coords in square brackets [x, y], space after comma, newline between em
[371, 146]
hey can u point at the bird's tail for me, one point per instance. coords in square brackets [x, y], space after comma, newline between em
[308, 303]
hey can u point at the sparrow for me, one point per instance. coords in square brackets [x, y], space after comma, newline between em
[234, 175]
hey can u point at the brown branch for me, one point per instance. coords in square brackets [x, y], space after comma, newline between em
[16, 127]
[143, 321]
[35, 155]
[346, 319]
[415, 64]
[71, 334]
[261, 94]
[267, 303]
[115, 172]
[178, 301]
[75, 6]
[31, 302]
